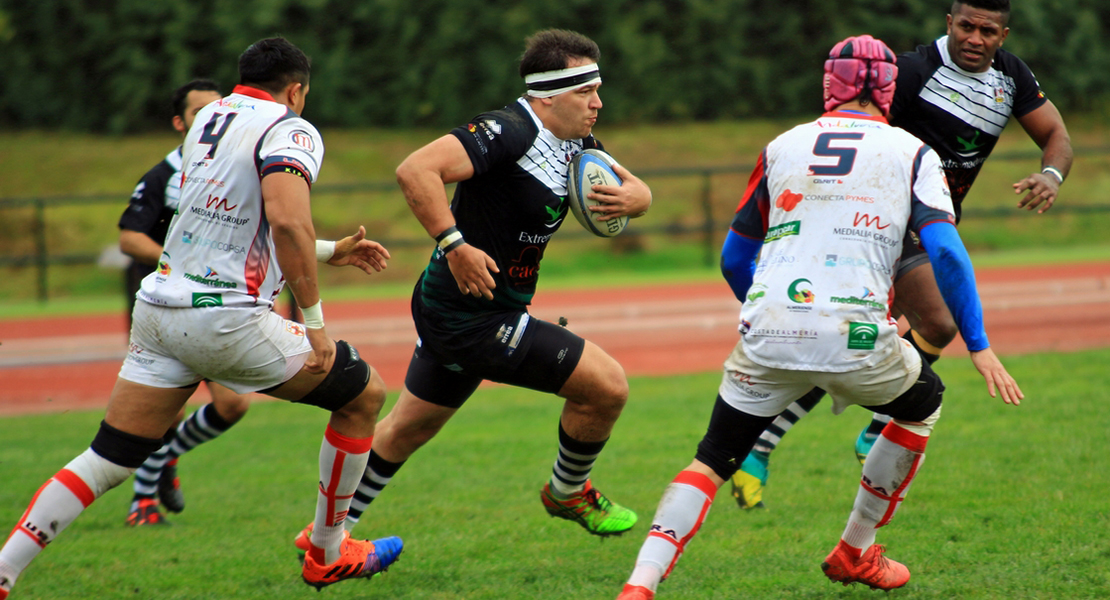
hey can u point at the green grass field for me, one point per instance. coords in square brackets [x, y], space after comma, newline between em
[1011, 502]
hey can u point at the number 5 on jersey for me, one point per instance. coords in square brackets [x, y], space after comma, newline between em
[846, 157]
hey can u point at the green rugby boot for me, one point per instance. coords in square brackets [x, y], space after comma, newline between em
[590, 509]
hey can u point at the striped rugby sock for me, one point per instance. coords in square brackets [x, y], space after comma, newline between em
[202, 426]
[379, 472]
[573, 464]
[771, 436]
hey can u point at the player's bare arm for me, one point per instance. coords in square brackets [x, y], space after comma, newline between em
[286, 200]
[422, 176]
[630, 199]
[997, 377]
[357, 251]
[1046, 127]
[140, 247]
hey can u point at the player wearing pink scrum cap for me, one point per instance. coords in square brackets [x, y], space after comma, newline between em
[956, 94]
[826, 210]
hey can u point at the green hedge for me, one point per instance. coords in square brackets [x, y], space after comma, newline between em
[108, 66]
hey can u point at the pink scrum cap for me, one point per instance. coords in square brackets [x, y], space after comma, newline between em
[858, 64]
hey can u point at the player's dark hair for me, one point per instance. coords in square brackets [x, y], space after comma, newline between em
[999, 6]
[181, 94]
[550, 49]
[272, 64]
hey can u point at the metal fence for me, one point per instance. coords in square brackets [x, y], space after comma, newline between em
[708, 227]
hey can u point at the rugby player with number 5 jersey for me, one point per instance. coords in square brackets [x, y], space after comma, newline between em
[823, 321]
[956, 94]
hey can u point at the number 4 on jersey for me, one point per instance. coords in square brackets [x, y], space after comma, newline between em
[208, 137]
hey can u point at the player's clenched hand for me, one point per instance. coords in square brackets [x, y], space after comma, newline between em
[1042, 189]
[992, 370]
[471, 268]
[323, 351]
[630, 199]
[357, 251]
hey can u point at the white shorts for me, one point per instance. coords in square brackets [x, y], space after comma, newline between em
[245, 349]
[766, 391]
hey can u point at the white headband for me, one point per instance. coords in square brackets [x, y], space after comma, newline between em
[553, 83]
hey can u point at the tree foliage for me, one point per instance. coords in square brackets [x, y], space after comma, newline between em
[107, 66]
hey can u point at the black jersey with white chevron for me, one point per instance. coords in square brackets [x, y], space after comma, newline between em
[958, 113]
[510, 208]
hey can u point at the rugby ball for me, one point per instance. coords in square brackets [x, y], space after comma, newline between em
[589, 168]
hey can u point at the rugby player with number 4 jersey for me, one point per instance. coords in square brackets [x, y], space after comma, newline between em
[247, 168]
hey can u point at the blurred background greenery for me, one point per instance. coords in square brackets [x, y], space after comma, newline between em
[107, 66]
[693, 90]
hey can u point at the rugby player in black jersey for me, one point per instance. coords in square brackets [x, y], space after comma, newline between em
[470, 305]
[956, 94]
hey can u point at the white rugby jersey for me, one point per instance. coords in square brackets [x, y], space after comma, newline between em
[219, 250]
[832, 200]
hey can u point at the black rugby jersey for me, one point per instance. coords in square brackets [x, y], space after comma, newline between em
[958, 113]
[509, 209]
[153, 203]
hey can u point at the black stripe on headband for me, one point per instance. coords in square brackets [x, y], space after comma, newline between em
[555, 84]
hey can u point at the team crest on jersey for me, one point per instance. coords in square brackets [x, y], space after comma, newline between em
[294, 328]
[303, 139]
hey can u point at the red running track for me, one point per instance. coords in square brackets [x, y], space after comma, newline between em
[70, 363]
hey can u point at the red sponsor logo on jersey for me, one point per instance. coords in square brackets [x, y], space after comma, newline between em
[787, 200]
[868, 221]
[739, 377]
[220, 203]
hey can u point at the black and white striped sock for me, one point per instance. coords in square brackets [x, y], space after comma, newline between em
[377, 475]
[771, 436]
[202, 426]
[573, 464]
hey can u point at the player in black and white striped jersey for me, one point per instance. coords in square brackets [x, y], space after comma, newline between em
[470, 305]
[956, 94]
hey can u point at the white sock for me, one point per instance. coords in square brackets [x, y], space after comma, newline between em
[683, 508]
[887, 474]
[57, 504]
[342, 462]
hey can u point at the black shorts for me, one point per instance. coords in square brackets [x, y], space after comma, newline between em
[454, 355]
[913, 255]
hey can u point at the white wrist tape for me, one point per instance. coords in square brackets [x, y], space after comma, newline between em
[313, 316]
[1055, 173]
[324, 250]
[450, 239]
